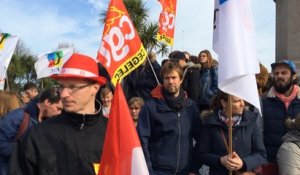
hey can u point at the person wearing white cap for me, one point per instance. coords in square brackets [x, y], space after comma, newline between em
[72, 142]
[280, 103]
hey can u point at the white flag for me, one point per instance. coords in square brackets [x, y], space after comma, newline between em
[234, 42]
[7, 47]
[51, 62]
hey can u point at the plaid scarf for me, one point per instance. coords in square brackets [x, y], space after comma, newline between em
[236, 119]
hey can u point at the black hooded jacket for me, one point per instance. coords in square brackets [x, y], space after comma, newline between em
[68, 144]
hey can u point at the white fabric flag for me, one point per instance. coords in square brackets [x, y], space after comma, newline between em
[51, 62]
[234, 42]
[7, 47]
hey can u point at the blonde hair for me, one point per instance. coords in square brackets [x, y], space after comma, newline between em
[8, 102]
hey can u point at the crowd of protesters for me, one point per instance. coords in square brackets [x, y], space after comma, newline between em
[179, 113]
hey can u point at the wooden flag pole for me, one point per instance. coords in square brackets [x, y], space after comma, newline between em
[7, 84]
[229, 116]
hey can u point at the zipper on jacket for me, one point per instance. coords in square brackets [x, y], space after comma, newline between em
[82, 122]
[83, 145]
[179, 142]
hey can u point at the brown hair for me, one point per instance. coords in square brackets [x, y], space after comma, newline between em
[8, 102]
[170, 66]
[105, 91]
[136, 101]
[210, 61]
[215, 102]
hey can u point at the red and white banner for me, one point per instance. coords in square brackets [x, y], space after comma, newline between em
[167, 22]
[121, 50]
[122, 151]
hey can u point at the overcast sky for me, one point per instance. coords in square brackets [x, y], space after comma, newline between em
[43, 24]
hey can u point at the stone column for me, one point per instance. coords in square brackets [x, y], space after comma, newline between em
[288, 31]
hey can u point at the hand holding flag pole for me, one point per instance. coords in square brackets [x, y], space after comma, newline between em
[233, 41]
[229, 116]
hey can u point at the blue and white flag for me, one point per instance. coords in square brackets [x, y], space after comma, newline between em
[234, 42]
[7, 47]
[51, 62]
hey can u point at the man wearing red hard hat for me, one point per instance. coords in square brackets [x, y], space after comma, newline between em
[72, 142]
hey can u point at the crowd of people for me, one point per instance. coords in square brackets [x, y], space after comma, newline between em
[179, 112]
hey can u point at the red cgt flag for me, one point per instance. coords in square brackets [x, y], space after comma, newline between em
[122, 152]
[167, 21]
[121, 50]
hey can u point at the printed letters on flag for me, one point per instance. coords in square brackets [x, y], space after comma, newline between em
[234, 42]
[122, 151]
[121, 50]
[7, 47]
[167, 21]
[51, 62]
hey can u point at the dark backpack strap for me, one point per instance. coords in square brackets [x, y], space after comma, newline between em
[24, 125]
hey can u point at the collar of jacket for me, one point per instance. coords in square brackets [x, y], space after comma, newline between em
[156, 93]
[271, 94]
[213, 119]
[82, 119]
[32, 108]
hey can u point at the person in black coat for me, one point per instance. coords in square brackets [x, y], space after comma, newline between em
[248, 147]
[143, 80]
[72, 142]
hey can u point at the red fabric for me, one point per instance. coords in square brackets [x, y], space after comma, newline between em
[267, 169]
[121, 50]
[120, 139]
[83, 62]
[289, 99]
[166, 21]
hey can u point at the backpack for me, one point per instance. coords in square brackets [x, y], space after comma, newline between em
[24, 125]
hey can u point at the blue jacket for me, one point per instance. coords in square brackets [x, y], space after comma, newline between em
[9, 127]
[167, 135]
[274, 115]
[209, 86]
[247, 143]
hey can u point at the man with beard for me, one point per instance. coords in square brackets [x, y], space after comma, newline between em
[167, 125]
[280, 103]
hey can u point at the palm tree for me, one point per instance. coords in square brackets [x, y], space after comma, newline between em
[146, 30]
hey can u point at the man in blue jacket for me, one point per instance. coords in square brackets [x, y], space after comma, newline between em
[167, 125]
[280, 103]
[14, 124]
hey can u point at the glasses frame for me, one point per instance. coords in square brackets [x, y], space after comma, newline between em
[71, 88]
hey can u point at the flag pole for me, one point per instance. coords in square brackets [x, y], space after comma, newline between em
[229, 116]
[6, 80]
[7, 84]
[150, 63]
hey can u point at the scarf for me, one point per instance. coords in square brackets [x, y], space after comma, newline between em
[236, 119]
[289, 99]
[176, 103]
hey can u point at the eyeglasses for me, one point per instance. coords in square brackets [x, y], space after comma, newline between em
[134, 108]
[72, 88]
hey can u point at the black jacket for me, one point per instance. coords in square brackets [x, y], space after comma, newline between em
[142, 81]
[192, 82]
[68, 144]
[247, 143]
